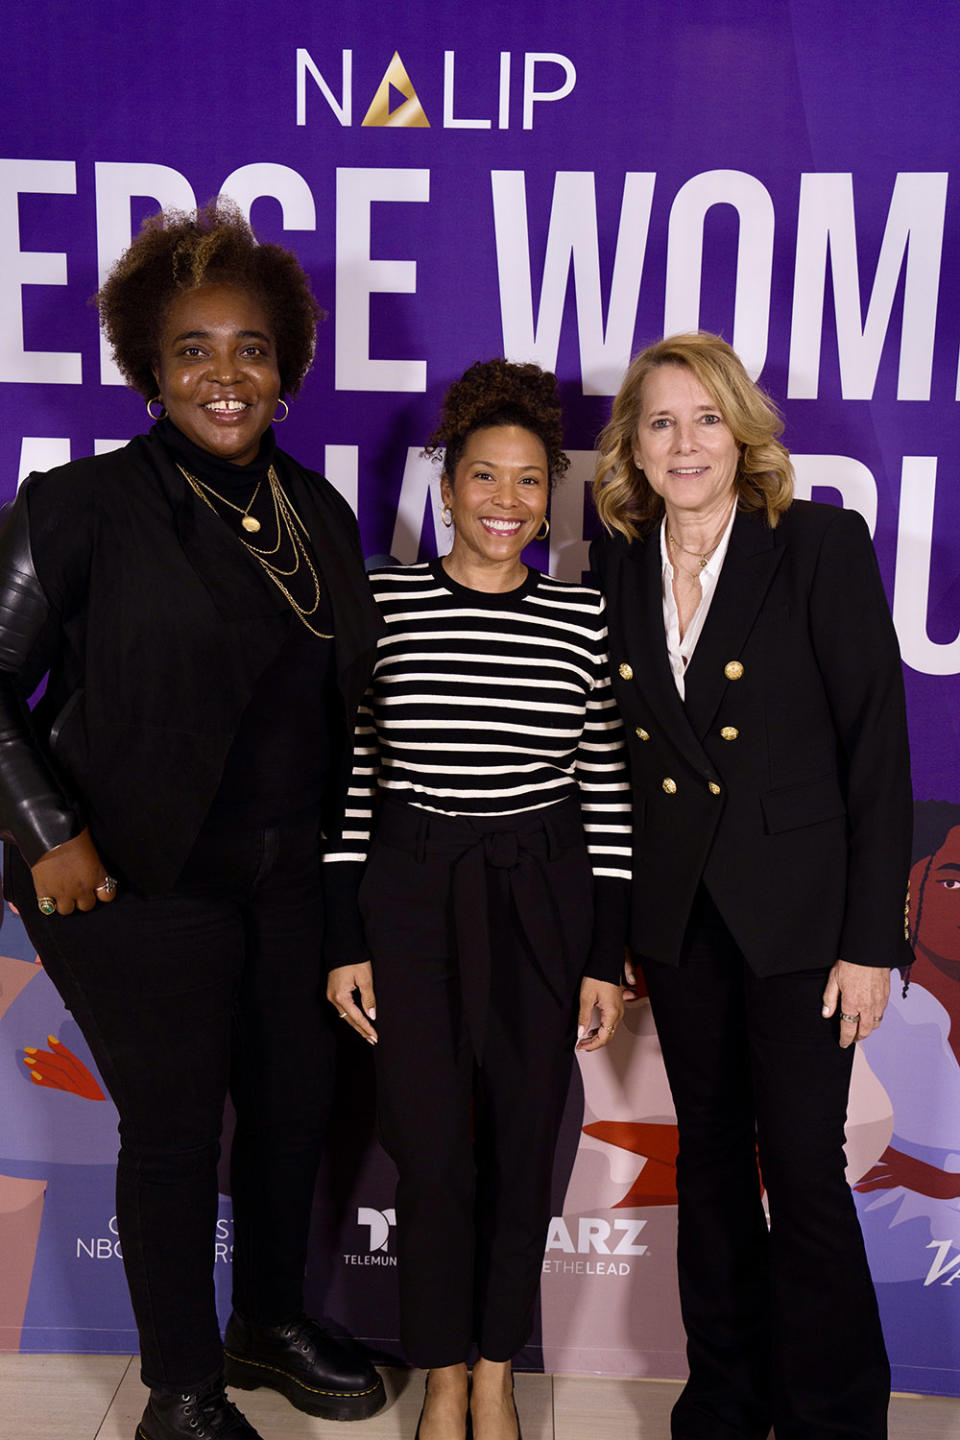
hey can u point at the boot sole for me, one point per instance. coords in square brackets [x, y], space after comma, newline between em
[243, 1374]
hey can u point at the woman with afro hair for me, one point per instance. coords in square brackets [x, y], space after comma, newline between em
[494, 894]
[197, 605]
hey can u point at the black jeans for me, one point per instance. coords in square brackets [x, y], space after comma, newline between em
[216, 987]
[782, 1327]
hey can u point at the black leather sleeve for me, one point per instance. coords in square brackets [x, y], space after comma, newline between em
[33, 811]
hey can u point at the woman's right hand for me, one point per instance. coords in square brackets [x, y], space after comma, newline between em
[342, 983]
[634, 985]
[73, 876]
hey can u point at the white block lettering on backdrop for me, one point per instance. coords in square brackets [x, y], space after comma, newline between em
[359, 276]
[913, 232]
[19, 365]
[117, 184]
[915, 551]
[572, 241]
[754, 207]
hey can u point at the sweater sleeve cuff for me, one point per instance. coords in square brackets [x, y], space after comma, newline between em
[343, 940]
[611, 900]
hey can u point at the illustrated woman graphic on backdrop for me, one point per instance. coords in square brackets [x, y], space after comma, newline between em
[494, 897]
[918, 1061]
[197, 604]
[757, 671]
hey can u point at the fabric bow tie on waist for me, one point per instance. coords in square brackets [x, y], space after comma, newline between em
[481, 849]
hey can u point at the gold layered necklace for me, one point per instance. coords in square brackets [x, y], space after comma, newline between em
[289, 526]
[702, 555]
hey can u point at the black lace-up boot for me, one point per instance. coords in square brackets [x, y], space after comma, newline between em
[318, 1373]
[204, 1414]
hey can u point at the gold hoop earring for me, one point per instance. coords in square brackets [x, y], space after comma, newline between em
[542, 535]
[157, 400]
[279, 419]
[446, 514]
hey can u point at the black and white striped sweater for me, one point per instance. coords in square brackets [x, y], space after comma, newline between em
[493, 704]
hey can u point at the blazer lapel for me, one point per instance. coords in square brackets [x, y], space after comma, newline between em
[748, 569]
[643, 580]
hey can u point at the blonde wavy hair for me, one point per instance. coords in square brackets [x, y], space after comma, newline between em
[624, 498]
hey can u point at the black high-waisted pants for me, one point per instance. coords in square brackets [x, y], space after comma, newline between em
[782, 1326]
[479, 932]
[212, 988]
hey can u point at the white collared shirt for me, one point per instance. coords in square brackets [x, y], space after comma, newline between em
[680, 652]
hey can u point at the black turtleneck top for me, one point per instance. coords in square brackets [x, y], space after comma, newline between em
[277, 766]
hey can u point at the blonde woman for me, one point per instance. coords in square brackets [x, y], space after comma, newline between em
[757, 672]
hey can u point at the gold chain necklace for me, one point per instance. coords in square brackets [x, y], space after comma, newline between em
[702, 556]
[692, 575]
[246, 520]
[287, 519]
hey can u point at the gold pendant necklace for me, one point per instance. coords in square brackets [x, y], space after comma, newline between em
[702, 556]
[246, 520]
[287, 520]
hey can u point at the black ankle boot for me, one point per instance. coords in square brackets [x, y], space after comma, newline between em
[204, 1414]
[317, 1373]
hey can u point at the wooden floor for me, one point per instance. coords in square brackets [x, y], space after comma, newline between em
[99, 1397]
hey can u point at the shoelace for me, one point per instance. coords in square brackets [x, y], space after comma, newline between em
[301, 1333]
[213, 1409]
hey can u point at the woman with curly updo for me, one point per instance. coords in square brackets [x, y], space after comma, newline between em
[197, 604]
[494, 894]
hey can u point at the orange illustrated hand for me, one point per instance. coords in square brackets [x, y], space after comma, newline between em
[894, 1168]
[59, 1069]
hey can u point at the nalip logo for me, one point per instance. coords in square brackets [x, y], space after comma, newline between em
[396, 103]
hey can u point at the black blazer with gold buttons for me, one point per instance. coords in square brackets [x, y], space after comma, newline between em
[782, 781]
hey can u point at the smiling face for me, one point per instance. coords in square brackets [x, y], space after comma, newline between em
[498, 498]
[217, 370]
[684, 446]
[936, 921]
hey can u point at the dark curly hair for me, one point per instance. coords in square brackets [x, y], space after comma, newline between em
[175, 252]
[498, 392]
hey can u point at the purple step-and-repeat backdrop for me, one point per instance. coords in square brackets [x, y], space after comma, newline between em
[560, 183]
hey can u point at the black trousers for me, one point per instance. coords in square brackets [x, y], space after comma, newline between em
[782, 1327]
[214, 988]
[472, 1077]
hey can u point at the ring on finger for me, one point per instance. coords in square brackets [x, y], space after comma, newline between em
[609, 1028]
[342, 1014]
[46, 905]
[850, 1019]
[877, 1019]
[107, 884]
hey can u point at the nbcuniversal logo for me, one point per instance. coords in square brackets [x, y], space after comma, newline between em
[547, 77]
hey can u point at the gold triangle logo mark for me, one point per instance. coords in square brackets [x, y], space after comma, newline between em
[410, 112]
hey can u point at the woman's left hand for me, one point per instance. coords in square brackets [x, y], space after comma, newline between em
[342, 984]
[608, 999]
[862, 992]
